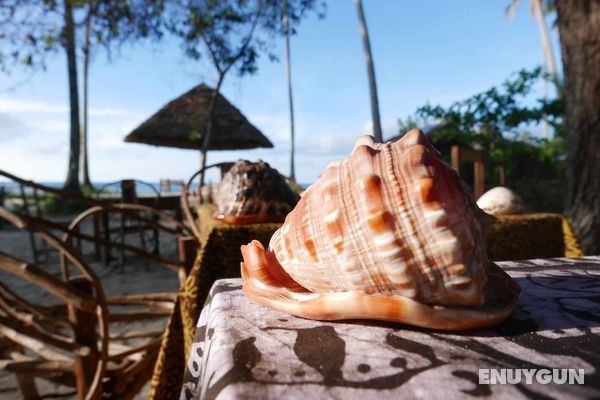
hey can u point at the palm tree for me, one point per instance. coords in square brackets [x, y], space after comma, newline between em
[87, 184]
[72, 181]
[364, 33]
[537, 9]
[288, 69]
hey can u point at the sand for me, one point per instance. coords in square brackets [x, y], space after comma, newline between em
[136, 275]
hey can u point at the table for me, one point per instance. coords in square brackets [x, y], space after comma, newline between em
[244, 350]
[534, 235]
[218, 257]
[511, 237]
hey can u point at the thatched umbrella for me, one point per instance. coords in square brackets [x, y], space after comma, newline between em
[182, 123]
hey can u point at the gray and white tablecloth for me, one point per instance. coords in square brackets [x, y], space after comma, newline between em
[244, 350]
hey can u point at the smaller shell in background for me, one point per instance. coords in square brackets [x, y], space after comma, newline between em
[500, 201]
[253, 192]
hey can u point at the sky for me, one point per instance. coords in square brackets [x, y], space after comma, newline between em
[423, 50]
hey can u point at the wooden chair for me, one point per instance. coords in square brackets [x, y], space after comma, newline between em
[191, 199]
[61, 326]
[147, 218]
[31, 195]
[125, 191]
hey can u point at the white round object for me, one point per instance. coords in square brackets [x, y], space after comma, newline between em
[500, 201]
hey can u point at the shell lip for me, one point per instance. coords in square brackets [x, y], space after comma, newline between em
[265, 283]
[249, 218]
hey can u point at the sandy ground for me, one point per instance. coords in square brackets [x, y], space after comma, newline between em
[136, 275]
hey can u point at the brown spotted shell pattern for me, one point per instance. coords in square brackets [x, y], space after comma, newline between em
[388, 233]
[253, 192]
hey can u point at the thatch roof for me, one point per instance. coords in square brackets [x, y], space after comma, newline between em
[182, 123]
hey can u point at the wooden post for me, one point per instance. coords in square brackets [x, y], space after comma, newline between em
[128, 193]
[187, 249]
[455, 157]
[502, 173]
[84, 324]
[464, 154]
[479, 184]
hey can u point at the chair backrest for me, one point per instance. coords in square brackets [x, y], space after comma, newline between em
[191, 199]
[159, 222]
[60, 316]
[127, 191]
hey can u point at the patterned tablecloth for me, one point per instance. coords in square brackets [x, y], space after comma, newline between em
[245, 350]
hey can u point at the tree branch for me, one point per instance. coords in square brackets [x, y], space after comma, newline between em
[248, 37]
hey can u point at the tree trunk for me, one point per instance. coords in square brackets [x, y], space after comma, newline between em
[210, 126]
[84, 132]
[72, 181]
[579, 27]
[288, 69]
[364, 33]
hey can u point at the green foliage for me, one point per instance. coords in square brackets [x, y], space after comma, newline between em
[54, 205]
[498, 121]
[410, 122]
[32, 30]
[234, 32]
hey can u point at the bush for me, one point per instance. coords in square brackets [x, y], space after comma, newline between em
[497, 121]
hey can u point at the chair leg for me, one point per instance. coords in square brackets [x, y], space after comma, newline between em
[34, 249]
[27, 386]
[121, 251]
[106, 229]
[85, 333]
[96, 234]
[25, 381]
[140, 229]
[156, 237]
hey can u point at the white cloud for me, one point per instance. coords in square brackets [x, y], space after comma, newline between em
[43, 155]
[11, 128]
[30, 106]
[52, 146]
[112, 112]
[15, 106]
[49, 125]
[332, 145]
[275, 126]
[389, 127]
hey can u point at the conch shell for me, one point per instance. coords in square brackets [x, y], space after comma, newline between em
[389, 233]
[253, 192]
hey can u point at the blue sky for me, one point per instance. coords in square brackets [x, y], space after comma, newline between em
[424, 51]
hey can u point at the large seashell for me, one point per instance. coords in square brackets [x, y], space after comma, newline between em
[389, 233]
[500, 201]
[253, 192]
